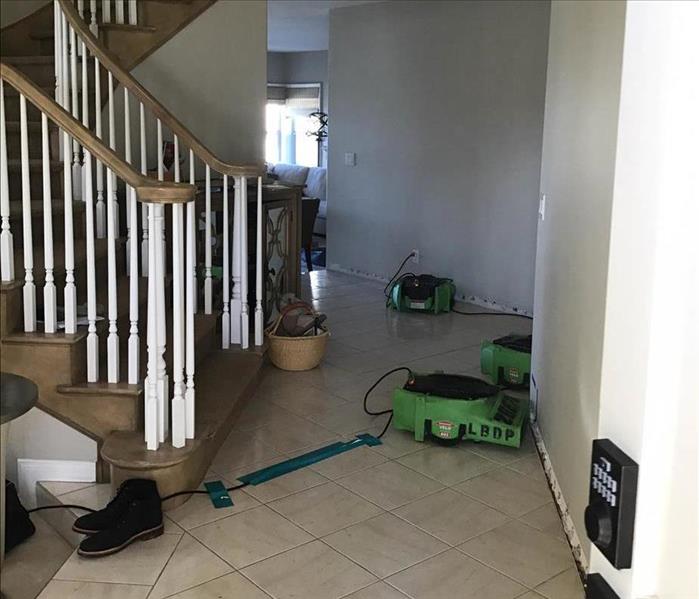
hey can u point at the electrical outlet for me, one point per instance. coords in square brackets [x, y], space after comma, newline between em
[416, 256]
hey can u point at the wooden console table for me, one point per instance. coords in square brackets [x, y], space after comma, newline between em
[281, 241]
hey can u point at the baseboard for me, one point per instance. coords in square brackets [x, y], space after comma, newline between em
[471, 299]
[561, 505]
[30, 471]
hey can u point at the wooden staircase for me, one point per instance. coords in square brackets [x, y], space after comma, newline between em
[111, 413]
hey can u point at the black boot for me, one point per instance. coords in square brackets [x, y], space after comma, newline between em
[108, 516]
[141, 519]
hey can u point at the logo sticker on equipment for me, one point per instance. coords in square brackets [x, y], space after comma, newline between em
[445, 427]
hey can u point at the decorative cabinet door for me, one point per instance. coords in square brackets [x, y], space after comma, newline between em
[280, 257]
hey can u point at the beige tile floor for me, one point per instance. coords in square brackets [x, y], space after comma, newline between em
[403, 519]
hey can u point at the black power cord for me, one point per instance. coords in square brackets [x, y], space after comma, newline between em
[162, 499]
[393, 278]
[242, 485]
[492, 314]
[382, 412]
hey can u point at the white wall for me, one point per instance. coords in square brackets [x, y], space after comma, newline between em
[649, 388]
[577, 176]
[37, 435]
[442, 102]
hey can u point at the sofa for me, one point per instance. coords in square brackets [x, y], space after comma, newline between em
[312, 178]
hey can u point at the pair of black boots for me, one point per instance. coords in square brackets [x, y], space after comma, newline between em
[135, 514]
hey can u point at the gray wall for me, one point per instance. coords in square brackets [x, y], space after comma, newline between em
[443, 104]
[12, 11]
[577, 176]
[299, 67]
[212, 76]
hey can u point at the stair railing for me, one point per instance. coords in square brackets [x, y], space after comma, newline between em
[155, 196]
[78, 40]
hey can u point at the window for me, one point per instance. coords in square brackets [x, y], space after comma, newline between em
[288, 123]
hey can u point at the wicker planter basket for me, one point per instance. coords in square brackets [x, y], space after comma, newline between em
[295, 353]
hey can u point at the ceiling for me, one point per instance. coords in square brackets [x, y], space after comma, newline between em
[296, 25]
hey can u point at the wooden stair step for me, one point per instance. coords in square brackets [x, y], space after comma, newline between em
[223, 384]
[40, 338]
[127, 27]
[123, 389]
[38, 68]
[37, 211]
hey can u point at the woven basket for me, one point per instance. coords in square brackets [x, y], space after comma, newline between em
[295, 353]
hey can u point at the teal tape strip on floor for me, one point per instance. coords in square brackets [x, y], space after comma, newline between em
[218, 493]
[312, 457]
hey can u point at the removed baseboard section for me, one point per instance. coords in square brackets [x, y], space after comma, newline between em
[30, 471]
[471, 299]
[561, 505]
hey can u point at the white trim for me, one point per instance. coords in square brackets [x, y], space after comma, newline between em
[561, 505]
[30, 471]
[472, 299]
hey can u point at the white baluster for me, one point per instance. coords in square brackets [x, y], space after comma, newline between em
[112, 308]
[112, 145]
[195, 228]
[106, 11]
[236, 297]
[57, 63]
[259, 311]
[159, 276]
[65, 80]
[81, 12]
[159, 129]
[27, 241]
[152, 404]
[159, 273]
[49, 284]
[93, 18]
[77, 168]
[86, 114]
[127, 157]
[7, 252]
[132, 256]
[208, 288]
[191, 281]
[93, 368]
[100, 208]
[244, 315]
[226, 317]
[178, 400]
[178, 179]
[119, 11]
[133, 12]
[70, 301]
[144, 171]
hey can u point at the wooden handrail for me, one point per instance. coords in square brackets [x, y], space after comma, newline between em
[147, 190]
[186, 137]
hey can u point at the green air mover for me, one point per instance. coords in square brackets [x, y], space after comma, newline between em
[422, 293]
[507, 360]
[453, 407]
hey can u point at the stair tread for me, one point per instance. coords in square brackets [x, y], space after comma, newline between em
[80, 255]
[127, 27]
[40, 59]
[47, 89]
[101, 388]
[35, 164]
[32, 126]
[39, 338]
[225, 375]
[37, 207]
